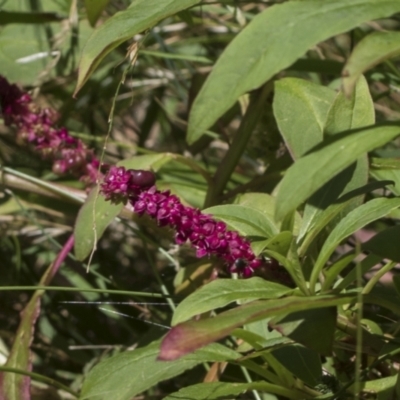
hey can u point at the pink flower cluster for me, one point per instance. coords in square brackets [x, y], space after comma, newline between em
[35, 126]
[208, 236]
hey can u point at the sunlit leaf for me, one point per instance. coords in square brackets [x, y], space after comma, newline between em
[309, 22]
[222, 292]
[370, 51]
[327, 161]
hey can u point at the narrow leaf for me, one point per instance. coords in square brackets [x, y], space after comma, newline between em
[189, 336]
[92, 220]
[309, 21]
[127, 374]
[370, 51]
[222, 292]
[327, 161]
[354, 221]
[139, 16]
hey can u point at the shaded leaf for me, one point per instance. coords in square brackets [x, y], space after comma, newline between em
[370, 51]
[96, 213]
[123, 376]
[355, 220]
[330, 158]
[382, 244]
[139, 16]
[304, 363]
[309, 21]
[222, 292]
[314, 329]
[189, 336]
[225, 390]
[94, 8]
[17, 386]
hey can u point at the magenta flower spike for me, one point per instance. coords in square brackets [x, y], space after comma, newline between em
[35, 126]
[206, 235]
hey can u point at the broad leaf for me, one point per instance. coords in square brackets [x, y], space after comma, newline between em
[327, 161]
[354, 221]
[301, 124]
[189, 336]
[309, 21]
[92, 220]
[123, 376]
[225, 390]
[370, 51]
[139, 16]
[222, 292]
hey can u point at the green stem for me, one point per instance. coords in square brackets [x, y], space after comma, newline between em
[75, 289]
[374, 280]
[238, 146]
[39, 378]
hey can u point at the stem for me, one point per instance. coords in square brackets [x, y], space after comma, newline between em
[374, 280]
[39, 378]
[76, 289]
[232, 157]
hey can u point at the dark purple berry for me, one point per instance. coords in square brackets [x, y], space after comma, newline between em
[142, 178]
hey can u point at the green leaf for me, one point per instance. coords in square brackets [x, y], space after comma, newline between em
[326, 216]
[304, 363]
[344, 114]
[301, 124]
[245, 220]
[189, 336]
[327, 161]
[127, 374]
[139, 16]
[222, 292]
[382, 244]
[308, 21]
[370, 51]
[7, 17]
[94, 8]
[389, 174]
[103, 212]
[355, 220]
[225, 390]
[314, 329]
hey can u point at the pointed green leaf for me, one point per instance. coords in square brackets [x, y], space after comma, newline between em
[225, 390]
[248, 62]
[370, 51]
[222, 292]
[189, 336]
[327, 161]
[123, 376]
[344, 114]
[384, 245]
[355, 220]
[301, 124]
[96, 213]
[139, 16]
[245, 220]
[94, 8]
